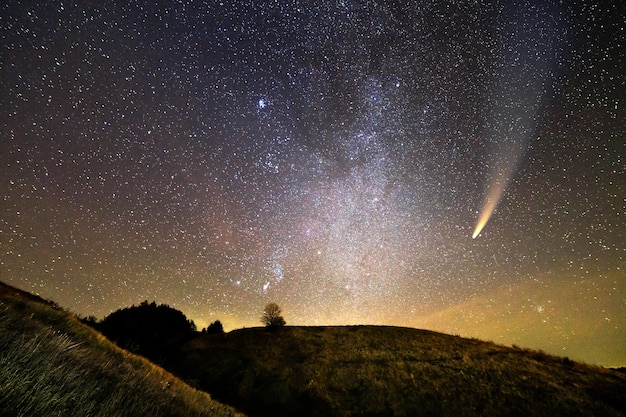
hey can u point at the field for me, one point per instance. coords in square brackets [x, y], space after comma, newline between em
[368, 370]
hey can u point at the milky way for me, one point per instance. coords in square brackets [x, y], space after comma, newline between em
[332, 157]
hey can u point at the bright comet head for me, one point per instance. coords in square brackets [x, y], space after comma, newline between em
[496, 189]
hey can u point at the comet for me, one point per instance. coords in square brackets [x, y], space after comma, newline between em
[528, 59]
[489, 208]
[503, 174]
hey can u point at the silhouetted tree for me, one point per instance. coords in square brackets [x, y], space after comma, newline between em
[272, 316]
[215, 328]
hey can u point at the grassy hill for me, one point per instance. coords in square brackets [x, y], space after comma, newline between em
[390, 371]
[53, 365]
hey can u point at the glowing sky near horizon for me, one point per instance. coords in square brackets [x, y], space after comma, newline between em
[332, 157]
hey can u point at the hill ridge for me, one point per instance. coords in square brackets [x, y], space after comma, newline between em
[387, 370]
[51, 364]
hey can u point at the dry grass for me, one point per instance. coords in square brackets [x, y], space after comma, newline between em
[364, 370]
[52, 365]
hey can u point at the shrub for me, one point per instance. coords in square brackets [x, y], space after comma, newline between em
[215, 328]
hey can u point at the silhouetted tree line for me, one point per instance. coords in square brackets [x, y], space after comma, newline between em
[156, 331]
[149, 329]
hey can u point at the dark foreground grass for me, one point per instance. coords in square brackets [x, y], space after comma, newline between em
[390, 371]
[53, 365]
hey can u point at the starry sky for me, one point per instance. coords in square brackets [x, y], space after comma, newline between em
[334, 157]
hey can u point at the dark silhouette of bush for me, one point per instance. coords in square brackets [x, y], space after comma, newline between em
[215, 328]
[149, 329]
[272, 316]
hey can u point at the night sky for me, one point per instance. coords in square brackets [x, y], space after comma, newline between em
[334, 157]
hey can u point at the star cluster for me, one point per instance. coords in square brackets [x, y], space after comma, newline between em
[330, 156]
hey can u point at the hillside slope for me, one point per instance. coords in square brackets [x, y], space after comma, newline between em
[367, 370]
[53, 365]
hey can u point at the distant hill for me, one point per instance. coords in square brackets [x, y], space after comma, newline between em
[53, 365]
[390, 371]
